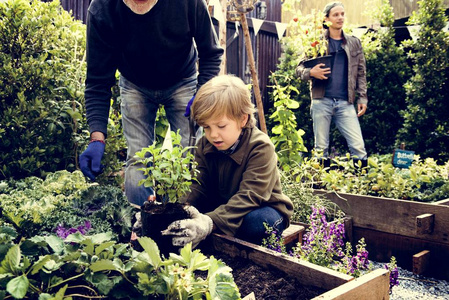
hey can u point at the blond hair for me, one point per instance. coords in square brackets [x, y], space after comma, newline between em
[223, 95]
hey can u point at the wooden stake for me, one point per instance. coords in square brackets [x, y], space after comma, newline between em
[254, 76]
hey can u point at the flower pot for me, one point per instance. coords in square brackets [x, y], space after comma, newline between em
[327, 60]
[156, 217]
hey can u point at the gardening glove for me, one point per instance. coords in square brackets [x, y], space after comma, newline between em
[90, 159]
[187, 113]
[194, 230]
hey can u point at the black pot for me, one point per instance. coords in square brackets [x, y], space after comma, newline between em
[156, 218]
[327, 60]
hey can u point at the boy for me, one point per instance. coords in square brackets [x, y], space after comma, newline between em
[238, 188]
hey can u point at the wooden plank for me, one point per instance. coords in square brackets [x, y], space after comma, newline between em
[371, 286]
[293, 234]
[425, 224]
[392, 215]
[442, 202]
[306, 273]
[382, 246]
[421, 262]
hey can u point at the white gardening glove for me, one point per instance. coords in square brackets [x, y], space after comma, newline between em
[194, 230]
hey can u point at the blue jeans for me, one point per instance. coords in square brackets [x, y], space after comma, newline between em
[343, 113]
[139, 108]
[252, 229]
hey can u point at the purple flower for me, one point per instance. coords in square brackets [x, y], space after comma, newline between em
[63, 232]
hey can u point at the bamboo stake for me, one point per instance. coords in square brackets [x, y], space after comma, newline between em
[254, 76]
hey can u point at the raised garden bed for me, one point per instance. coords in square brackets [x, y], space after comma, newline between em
[415, 233]
[374, 285]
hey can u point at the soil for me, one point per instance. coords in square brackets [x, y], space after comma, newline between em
[266, 284]
[156, 218]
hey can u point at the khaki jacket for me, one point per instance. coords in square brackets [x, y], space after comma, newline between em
[231, 186]
[356, 72]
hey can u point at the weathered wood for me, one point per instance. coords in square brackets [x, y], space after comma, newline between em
[442, 202]
[382, 246]
[372, 286]
[421, 262]
[425, 223]
[293, 234]
[255, 78]
[392, 215]
[306, 273]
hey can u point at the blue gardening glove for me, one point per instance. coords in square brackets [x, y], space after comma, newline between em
[187, 113]
[90, 159]
[193, 230]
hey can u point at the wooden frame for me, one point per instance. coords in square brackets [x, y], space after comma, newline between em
[400, 228]
[374, 285]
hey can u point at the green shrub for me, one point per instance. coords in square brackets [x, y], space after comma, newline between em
[41, 87]
[426, 120]
[387, 72]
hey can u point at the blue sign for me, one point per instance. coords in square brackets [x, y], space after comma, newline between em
[403, 158]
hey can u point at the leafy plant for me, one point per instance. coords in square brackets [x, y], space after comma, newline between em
[95, 266]
[285, 137]
[426, 127]
[41, 83]
[307, 32]
[300, 191]
[65, 200]
[168, 171]
[425, 180]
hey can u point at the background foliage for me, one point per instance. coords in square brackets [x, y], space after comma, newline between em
[42, 68]
[387, 72]
[426, 119]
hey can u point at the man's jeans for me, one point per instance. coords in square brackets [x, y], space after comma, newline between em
[139, 108]
[343, 113]
[252, 228]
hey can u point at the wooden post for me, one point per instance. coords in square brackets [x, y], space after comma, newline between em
[421, 262]
[222, 35]
[252, 65]
[425, 223]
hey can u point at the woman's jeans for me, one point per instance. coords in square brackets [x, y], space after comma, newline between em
[253, 229]
[139, 107]
[343, 113]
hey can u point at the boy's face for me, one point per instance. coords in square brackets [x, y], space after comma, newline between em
[336, 17]
[223, 132]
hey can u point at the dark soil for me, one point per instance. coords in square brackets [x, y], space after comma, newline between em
[157, 217]
[266, 284]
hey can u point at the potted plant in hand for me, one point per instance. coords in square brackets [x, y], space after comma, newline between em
[308, 32]
[169, 172]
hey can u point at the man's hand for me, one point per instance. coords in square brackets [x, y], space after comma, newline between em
[320, 73]
[192, 230]
[361, 109]
[90, 159]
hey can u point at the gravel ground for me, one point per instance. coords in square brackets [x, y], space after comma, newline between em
[417, 287]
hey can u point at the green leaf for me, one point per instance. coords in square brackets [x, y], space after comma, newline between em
[104, 265]
[103, 246]
[152, 250]
[40, 264]
[18, 287]
[11, 262]
[55, 243]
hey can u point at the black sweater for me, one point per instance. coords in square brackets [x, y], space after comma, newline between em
[155, 50]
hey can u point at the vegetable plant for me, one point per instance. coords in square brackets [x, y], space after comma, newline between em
[98, 267]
